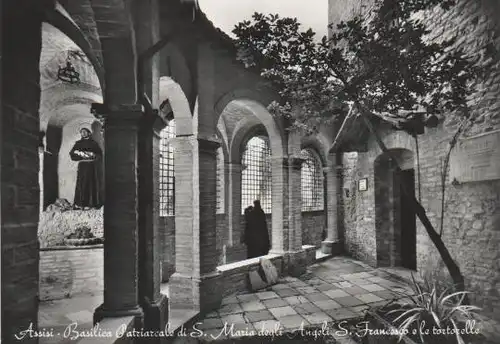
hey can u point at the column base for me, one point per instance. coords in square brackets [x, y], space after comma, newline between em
[101, 312]
[202, 295]
[156, 314]
[334, 248]
[295, 263]
[168, 269]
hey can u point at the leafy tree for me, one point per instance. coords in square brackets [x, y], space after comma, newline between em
[383, 62]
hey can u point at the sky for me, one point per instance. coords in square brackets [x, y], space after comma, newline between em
[225, 14]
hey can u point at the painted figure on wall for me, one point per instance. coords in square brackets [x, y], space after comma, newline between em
[87, 152]
[256, 232]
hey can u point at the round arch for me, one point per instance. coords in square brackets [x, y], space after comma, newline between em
[261, 117]
[171, 93]
[319, 144]
[60, 19]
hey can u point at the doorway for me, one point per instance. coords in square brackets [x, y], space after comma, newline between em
[395, 220]
[408, 238]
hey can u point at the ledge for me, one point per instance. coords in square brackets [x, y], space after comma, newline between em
[313, 212]
[246, 263]
[71, 248]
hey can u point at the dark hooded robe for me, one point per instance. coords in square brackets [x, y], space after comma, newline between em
[258, 238]
[88, 189]
[250, 239]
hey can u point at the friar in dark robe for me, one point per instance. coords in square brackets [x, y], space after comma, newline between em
[88, 189]
[249, 237]
[258, 228]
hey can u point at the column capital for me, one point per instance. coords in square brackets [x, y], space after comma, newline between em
[207, 145]
[293, 162]
[118, 112]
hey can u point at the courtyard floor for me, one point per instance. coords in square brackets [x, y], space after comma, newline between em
[336, 289]
[331, 291]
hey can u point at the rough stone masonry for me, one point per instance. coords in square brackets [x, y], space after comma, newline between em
[472, 221]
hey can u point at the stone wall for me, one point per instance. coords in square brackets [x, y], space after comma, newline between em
[21, 45]
[471, 222]
[347, 202]
[67, 272]
[313, 227]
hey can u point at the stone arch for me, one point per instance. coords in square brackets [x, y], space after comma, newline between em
[60, 19]
[171, 93]
[175, 67]
[259, 121]
[261, 116]
[394, 219]
[222, 132]
[319, 144]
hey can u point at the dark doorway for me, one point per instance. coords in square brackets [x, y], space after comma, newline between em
[408, 222]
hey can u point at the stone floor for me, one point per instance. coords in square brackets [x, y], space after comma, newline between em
[333, 290]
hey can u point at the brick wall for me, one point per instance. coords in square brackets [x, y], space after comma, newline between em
[471, 226]
[67, 272]
[313, 226]
[21, 45]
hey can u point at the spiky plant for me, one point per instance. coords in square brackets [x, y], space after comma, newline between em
[432, 307]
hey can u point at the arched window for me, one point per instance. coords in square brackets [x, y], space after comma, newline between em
[167, 175]
[312, 182]
[220, 181]
[256, 174]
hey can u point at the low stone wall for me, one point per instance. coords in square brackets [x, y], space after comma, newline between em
[310, 254]
[66, 272]
[235, 275]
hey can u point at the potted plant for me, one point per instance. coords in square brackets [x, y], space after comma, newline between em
[431, 314]
[82, 236]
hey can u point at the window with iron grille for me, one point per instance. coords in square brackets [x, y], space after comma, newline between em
[312, 182]
[256, 174]
[220, 181]
[167, 172]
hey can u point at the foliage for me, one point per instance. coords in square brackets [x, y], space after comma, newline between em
[384, 62]
[431, 307]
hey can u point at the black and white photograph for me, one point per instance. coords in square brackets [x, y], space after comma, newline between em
[250, 171]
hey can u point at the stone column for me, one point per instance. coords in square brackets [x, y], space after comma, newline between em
[121, 244]
[332, 244]
[287, 239]
[194, 285]
[154, 304]
[236, 250]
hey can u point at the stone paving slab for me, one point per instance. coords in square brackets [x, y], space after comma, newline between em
[273, 303]
[259, 316]
[281, 312]
[306, 308]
